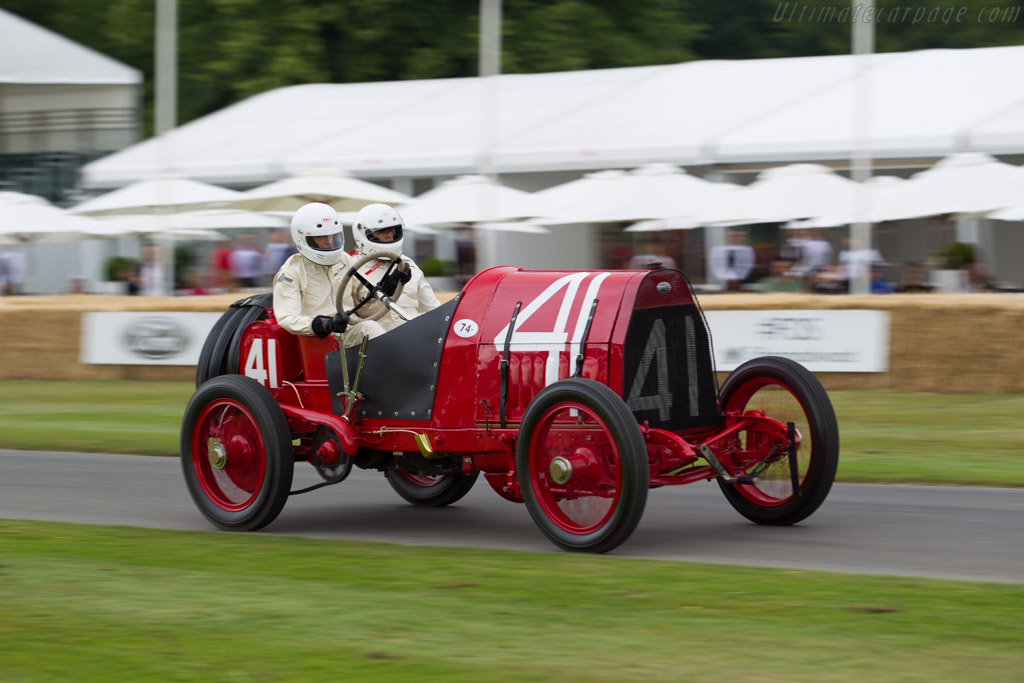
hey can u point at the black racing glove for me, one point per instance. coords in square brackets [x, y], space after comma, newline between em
[390, 283]
[323, 325]
[339, 323]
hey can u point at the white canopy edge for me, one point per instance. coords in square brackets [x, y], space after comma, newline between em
[692, 114]
[31, 54]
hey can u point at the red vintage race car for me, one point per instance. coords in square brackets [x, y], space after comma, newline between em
[574, 392]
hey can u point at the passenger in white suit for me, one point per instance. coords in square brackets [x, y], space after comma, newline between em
[378, 228]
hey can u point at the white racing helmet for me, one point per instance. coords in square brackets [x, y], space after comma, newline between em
[317, 234]
[370, 220]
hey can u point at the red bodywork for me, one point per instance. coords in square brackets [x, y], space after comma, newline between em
[465, 419]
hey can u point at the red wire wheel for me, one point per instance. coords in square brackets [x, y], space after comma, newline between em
[228, 454]
[785, 391]
[236, 453]
[582, 466]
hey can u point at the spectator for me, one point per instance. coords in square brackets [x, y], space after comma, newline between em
[650, 253]
[732, 262]
[219, 270]
[152, 277]
[782, 279]
[814, 254]
[856, 262]
[128, 273]
[77, 285]
[246, 261]
[828, 280]
[977, 279]
[915, 278]
[193, 285]
[465, 254]
[278, 251]
[879, 283]
[617, 256]
[13, 264]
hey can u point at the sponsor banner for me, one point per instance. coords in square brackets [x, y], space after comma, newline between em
[821, 341]
[144, 338]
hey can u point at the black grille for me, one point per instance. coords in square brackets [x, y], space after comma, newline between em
[668, 372]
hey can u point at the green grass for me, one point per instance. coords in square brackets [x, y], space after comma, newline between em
[91, 603]
[887, 437]
[897, 437]
[100, 416]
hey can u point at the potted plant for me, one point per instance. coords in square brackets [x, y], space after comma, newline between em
[438, 273]
[954, 258]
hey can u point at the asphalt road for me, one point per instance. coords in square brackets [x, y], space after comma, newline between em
[945, 532]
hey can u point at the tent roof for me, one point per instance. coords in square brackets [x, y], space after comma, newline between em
[31, 54]
[928, 103]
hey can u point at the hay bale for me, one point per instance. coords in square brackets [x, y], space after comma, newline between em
[948, 343]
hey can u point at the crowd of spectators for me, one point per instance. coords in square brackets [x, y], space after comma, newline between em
[232, 265]
[242, 264]
[805, 262]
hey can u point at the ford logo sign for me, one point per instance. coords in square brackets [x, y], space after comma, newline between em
[155, 338]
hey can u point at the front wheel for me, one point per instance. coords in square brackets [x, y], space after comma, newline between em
[582, 466]
[236, 453]
[785, 391]
[431, 491]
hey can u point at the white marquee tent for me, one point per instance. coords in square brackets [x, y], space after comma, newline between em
[924, 104]
[53, 86]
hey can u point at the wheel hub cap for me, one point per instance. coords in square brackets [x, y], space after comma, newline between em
[218, 455]
[561, 470]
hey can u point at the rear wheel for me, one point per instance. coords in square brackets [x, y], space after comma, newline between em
[236, 453]
[212, 356]
[785, 391]
[582, 466]
[431, 491]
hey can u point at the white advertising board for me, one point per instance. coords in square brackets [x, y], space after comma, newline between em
[144, 338]
[821, 341]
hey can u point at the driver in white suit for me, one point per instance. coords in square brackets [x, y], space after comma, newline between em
[306, 286]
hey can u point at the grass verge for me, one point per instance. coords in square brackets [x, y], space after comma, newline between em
[83, 602]
[914, 438]
[886, 437]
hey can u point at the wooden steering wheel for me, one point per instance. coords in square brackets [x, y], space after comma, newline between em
[353, 271]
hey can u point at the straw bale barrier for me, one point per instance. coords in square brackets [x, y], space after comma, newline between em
[950, 343]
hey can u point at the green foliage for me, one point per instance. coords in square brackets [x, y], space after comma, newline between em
[750, 29]
[956, 255]
[118, 268]
[184, 259]
[434, 267]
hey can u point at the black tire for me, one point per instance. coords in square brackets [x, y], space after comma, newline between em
[571, 513]
[236, 417]
[250, 315]
[431, 492]
[786, 391]
[210, 363]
